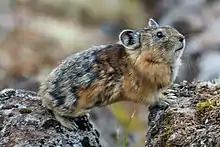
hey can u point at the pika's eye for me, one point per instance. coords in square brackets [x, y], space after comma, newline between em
[160, 34]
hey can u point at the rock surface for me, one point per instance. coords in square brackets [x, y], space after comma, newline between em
[24, 122]
[192, 120]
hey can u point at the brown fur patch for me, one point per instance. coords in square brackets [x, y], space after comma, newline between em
[143, 81]
[102, 92]
[138, 89]
[89, 95]
[114, 56]
[157, 73]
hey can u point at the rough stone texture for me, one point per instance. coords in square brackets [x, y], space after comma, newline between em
[24, 122]
[192, 120]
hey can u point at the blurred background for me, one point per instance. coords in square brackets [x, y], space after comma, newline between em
[35, 35]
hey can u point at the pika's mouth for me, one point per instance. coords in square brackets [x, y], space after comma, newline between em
[179, 48]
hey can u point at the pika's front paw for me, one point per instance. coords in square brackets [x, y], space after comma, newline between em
[164, 100]
[161, 104]
[170, 97]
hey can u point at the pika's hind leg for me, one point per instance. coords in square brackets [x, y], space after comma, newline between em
[67, 122]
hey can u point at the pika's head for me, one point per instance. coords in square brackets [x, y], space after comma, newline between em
[155, 43]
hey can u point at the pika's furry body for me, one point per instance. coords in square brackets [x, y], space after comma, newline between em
[136, 69]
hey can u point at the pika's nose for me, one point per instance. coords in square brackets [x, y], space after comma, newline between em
[181, 38]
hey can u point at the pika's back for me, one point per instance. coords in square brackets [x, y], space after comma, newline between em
[98, 64]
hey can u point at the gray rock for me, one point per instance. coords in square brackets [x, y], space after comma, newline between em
[24, 122]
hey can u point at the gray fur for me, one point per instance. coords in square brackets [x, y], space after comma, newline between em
[73, 73]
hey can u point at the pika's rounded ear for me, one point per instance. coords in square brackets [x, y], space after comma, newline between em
[129, 39]
[152, 23]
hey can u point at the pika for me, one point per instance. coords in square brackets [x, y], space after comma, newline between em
[136, 68]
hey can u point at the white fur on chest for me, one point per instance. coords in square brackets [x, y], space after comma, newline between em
[175, 69]
[177, 62]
